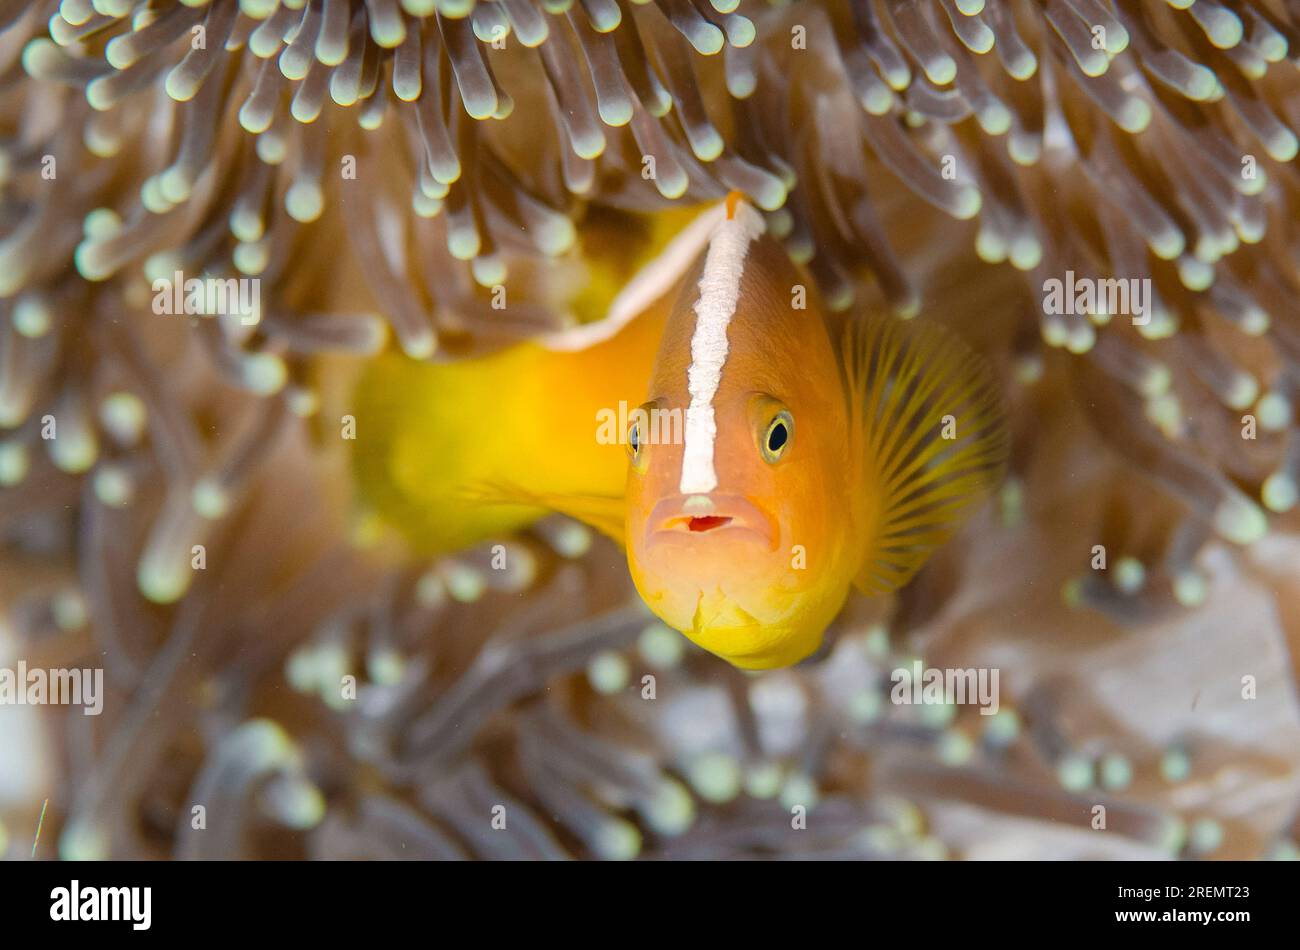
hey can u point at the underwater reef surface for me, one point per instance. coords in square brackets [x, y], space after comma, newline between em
[175, 501]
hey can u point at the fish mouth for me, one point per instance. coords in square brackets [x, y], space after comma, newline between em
[683, 516]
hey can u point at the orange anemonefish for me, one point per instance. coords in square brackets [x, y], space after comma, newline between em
[780, 455]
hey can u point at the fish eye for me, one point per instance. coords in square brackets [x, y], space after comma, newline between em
[635, 448]
[777, 437]
[640, 436]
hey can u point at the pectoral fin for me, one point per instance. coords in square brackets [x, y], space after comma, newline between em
[602, 512]
[933, 440]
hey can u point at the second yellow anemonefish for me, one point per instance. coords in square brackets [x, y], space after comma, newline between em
[777, 454]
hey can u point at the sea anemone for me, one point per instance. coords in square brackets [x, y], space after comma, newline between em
[171, 504]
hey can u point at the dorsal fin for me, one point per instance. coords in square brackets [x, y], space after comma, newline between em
[904, 380]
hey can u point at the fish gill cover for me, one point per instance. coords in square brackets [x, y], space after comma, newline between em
[215, 216]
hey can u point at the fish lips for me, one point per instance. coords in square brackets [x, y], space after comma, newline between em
[699, 521]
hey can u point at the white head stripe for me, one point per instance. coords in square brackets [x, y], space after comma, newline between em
[724, 263]
[649, 283]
